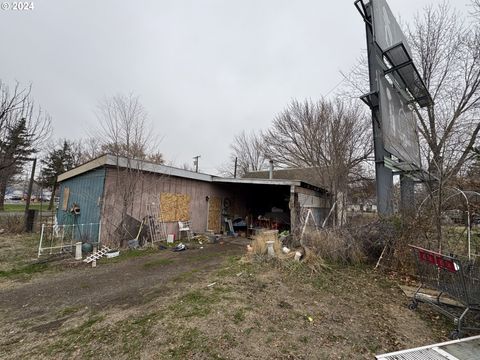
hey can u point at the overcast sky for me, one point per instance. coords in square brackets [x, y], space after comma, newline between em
[204, 69]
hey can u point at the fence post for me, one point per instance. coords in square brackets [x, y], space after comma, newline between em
[41, 239]
[99, 232]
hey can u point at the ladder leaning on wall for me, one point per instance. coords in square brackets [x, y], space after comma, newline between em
[156, 225]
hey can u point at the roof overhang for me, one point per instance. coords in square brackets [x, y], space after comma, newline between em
[91, 165]
[124, 163]
[257, 181]
[277, 182]
[113, 161]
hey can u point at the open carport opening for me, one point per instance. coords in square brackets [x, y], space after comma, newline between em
[257, 206]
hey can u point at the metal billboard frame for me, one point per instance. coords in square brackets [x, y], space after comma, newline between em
[395, 62]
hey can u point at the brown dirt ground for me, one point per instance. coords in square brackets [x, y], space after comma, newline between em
[160, 306]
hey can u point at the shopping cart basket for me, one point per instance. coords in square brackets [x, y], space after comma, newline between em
[449, 275]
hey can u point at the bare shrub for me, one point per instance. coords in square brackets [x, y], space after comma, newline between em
[334, 245]
[12, 224]
[385, 242]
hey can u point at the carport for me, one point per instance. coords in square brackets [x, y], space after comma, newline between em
[272, 203]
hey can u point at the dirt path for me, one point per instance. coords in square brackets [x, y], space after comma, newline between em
[126, 283]
[204, 304]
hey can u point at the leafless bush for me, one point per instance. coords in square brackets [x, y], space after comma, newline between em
[386, 242]
[334, 245]
[12, 224]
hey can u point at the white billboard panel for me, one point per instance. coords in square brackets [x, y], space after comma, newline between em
[386, 31]
[399, 127]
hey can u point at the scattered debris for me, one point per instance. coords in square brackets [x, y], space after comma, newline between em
[270, 250]
[112, 254]
[433, 295]
[285, 250]
[97, 254]
[212, 284]
[298, 255]
[132, 244]
[180, 247]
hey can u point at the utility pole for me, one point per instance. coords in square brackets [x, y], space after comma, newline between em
[195, 162]
[235, 169]
[29, 193]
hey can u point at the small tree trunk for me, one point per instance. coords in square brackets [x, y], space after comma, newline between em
[3, 190]
[438, 222]
[52, 197]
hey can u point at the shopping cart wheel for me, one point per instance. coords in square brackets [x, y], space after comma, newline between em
[455, 335]
[413, 305]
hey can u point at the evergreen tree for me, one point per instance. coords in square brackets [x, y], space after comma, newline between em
[15, 147]
[58, 160]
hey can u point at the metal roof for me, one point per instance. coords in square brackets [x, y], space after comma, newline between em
[464, 349]
[122, 162]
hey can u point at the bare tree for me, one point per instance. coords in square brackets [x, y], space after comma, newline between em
[247, 149]
[332, 137]
[447, 52]
[23, 130]
[126, 133]
[87, 149]
[124, 127]
[476, 9]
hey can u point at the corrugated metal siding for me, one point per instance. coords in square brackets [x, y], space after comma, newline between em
[86, 190]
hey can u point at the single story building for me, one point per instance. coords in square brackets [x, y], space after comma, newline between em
[109, 189]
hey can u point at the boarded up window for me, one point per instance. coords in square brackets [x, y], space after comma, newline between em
[66, 195]
[174, 207]
[214, 213]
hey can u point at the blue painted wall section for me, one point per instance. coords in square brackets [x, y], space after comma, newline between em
[86, 191]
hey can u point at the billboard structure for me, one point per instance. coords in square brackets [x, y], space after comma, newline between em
[395, 86]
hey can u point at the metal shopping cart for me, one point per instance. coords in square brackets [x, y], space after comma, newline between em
[449, 275]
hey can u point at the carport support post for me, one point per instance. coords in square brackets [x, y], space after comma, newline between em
[383, 175]
[293, 210]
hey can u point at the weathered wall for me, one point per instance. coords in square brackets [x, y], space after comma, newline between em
[85, 190]
[301, 198]
[148, 189]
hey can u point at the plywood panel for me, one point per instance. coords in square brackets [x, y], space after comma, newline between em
[174, 207]
[214, 213]
[183, 207]
[66, 195]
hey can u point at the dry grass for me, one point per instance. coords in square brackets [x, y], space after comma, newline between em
[12, 224]
[259, 243]
[334, 245]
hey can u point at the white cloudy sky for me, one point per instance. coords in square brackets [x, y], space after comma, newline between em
[204, 69]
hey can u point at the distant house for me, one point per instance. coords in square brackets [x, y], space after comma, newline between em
[94, 193]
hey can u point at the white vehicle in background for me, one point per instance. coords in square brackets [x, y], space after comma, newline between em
[16, 195]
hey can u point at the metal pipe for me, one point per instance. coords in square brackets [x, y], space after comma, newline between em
[41, 239]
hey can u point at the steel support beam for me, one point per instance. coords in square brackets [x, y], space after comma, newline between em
[383, 175]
